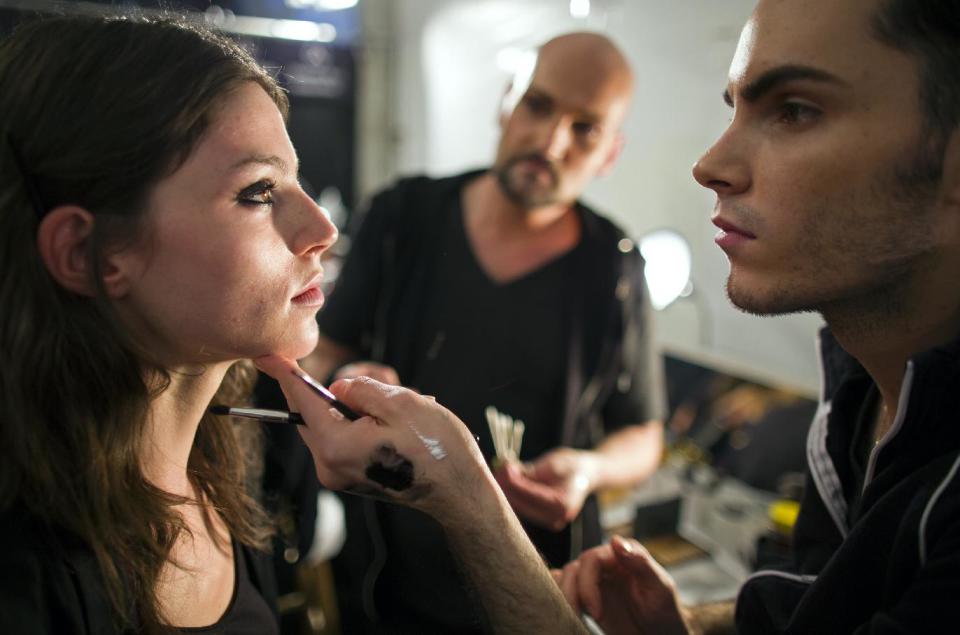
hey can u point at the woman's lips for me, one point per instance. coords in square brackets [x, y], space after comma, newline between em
[312, 297]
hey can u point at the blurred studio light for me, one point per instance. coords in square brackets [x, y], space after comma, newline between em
[325, 5]
[580, 8]
[517, 61]
[303, 31]
[667, 270]
[519, 65]
[299, 30]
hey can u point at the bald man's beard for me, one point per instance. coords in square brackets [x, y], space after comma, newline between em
[519, 180]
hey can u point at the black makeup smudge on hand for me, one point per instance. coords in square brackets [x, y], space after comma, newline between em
[390, 469]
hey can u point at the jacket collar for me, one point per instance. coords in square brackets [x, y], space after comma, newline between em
[839, 366]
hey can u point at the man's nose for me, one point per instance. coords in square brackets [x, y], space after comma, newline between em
[724, 167]
[556, 137]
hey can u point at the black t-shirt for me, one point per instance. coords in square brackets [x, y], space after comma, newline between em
[483, 344]
[495, 344]
[412, 295]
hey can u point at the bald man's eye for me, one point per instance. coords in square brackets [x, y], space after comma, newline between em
[586, 129]
[537, 105]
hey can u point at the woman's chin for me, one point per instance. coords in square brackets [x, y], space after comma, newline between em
[297, 349]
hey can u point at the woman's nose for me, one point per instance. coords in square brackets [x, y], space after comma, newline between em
[316, 232]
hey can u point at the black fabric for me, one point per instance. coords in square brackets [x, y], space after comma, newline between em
[290, 488]
[51, 583]
[247, 613]
[858, 455]
[408, 279]
[500, 338]
[289, 484]
[883, 557]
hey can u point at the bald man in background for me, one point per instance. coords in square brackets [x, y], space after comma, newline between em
[499, 288]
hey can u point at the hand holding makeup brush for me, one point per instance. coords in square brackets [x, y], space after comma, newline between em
[550, 491]
[404, 448]
[408, 449]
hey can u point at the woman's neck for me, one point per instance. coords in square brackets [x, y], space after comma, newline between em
[172, 421]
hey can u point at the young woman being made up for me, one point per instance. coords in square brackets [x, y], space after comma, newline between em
[153, 234]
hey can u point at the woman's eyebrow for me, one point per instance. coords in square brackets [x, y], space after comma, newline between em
[271, 160]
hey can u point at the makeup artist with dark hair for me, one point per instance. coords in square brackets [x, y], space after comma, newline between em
[500, 289]
[152, 234]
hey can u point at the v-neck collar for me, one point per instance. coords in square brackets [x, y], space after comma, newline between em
[460, 235]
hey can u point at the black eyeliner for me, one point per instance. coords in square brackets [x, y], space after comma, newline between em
[263, 187]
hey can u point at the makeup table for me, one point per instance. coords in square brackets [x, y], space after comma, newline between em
[701, 527]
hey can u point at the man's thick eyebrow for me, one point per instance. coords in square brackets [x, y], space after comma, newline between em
[780, 75]
[273, 160]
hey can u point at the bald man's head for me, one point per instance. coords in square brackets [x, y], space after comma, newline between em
[565, 128]
[591, 62]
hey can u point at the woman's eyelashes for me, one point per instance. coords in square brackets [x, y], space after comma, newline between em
[257, 194]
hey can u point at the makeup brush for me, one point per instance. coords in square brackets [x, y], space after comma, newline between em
[507, 435]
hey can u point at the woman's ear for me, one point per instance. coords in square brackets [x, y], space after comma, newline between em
[63, 240]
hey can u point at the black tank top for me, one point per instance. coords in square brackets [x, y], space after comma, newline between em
[247, 613]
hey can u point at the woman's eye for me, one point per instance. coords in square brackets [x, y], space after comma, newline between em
[792, 112]
[260, 193]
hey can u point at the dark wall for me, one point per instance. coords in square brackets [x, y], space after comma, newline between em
[320, 79]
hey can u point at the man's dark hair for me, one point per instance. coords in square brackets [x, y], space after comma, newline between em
[930, 31]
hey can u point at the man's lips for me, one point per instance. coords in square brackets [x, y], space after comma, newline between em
[730, 236]
[730, 228]
[536, 161]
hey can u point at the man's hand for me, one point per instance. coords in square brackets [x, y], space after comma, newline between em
[409, 449]
[550, 491]
[406, 449]
[624, 589]
[374, 370]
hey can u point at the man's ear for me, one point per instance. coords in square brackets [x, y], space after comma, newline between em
[63, 240]
[612, 154]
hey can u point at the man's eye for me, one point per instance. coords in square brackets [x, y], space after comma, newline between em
[586, 129]
[260, 193]
[536, 105]
[792, 112]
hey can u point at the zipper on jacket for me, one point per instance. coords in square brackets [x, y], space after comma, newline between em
[888, 436]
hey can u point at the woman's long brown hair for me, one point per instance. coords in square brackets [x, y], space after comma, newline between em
[95, 112]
